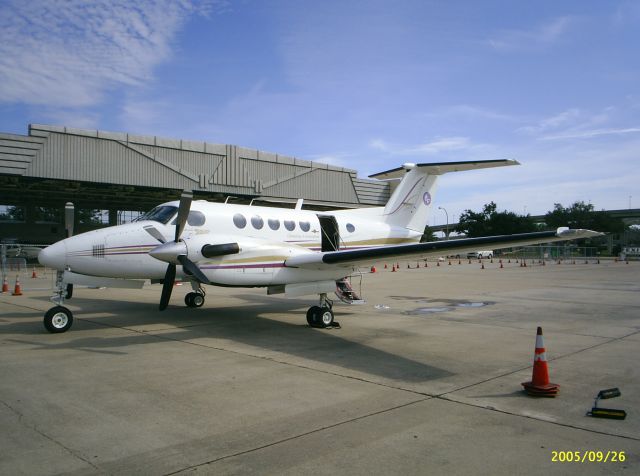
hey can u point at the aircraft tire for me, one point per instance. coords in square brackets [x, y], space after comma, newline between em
[313, 314]
[194, 299]
[325, 317]
[197, 300]
[69, 291]
[58, 319]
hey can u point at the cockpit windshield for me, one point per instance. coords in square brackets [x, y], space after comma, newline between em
[162, 214]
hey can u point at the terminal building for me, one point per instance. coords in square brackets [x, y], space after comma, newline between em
[112, 177]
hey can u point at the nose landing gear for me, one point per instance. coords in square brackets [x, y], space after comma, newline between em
[59, 319]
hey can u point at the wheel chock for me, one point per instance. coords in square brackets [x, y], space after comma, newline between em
[610, 413]
[608, 393]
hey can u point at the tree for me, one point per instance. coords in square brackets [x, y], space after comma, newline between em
[582, 215]
[428, 235]
[491, 222]
[11, 213]
[89, 216]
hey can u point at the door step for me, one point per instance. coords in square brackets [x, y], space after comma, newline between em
[346, 293]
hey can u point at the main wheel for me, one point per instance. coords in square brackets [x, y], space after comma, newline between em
[58, 319]
[197, 300]
[312, 313]
[194, 299]
[325, 317]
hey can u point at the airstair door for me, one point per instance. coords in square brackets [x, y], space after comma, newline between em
[330, 233]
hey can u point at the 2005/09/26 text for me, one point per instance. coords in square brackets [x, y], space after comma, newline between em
[588, 456]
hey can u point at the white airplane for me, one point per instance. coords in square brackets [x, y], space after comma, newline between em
[295, 252]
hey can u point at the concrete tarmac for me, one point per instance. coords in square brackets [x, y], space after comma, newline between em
[425, 378]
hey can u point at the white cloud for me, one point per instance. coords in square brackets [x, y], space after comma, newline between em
[579, 124]
[70, 52]
[537, 38]
[467, 111]
[587, 134]
[435, 146]
[565, 118]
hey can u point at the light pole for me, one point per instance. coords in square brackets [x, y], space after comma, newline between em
[447, 215]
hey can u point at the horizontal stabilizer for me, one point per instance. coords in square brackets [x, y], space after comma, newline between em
[439, 168]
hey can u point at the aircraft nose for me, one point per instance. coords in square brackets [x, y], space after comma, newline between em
[54, 256]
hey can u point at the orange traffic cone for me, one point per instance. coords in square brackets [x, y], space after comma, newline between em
[34, 275]
[539, 385]
[501, 265]
[5, 285]
[393, 268]
[482, 267]
[385, 266]
[437, 263]
[17, 289]
[373, 269]
[449, 262]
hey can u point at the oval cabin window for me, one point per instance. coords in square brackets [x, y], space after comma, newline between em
[257, 222]
[273, 223]
[239, 220]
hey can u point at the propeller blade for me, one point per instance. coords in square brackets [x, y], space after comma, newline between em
[69, 218]
[155, 233]
[192, 268]
[183, 212]
[167, 286]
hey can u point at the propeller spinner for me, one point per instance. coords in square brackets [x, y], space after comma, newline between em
[175, 252]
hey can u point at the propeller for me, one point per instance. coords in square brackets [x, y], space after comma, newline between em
[175, 252]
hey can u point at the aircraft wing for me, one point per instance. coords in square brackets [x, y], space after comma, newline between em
[364, 257]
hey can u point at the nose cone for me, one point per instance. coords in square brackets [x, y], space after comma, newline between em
[54, 256]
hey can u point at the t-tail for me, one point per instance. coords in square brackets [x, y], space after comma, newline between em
[410, 204]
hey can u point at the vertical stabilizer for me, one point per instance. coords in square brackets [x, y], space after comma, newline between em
[411, 202]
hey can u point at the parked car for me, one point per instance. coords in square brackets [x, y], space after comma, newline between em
[480, 254]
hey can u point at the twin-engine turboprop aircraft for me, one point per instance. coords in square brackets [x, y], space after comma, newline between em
[295, 252]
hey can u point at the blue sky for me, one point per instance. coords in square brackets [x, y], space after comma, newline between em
[361, 84]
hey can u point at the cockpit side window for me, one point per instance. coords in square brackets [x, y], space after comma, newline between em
[161, 214]
[196, 218]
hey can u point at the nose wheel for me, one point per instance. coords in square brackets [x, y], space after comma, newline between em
[58, 319]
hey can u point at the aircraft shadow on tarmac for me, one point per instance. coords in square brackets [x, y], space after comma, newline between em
[245, 324]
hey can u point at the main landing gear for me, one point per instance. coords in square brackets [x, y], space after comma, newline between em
[321, 316]
[195, 298]
[59, 318]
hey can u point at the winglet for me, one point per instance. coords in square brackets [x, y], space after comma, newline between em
[573, 234]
